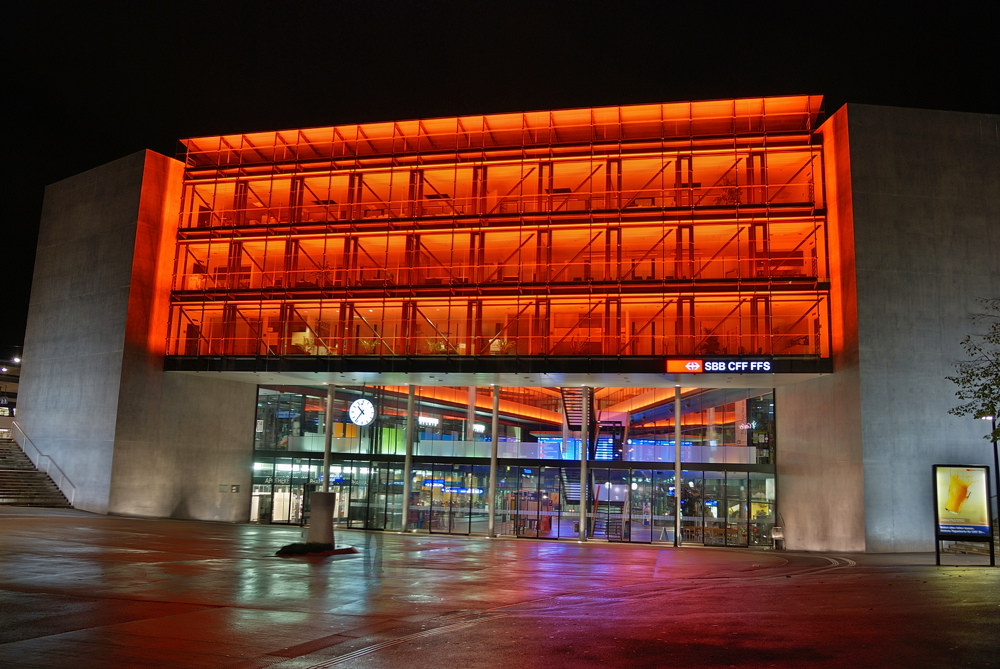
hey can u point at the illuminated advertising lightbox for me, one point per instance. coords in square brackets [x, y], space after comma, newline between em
[962, 501]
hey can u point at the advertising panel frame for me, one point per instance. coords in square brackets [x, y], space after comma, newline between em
[962, 509]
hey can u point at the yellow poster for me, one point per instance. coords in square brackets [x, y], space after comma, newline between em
[962, 500]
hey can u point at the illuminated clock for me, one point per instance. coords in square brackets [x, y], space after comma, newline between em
[362, 412]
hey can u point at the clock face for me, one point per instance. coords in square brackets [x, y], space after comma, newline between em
[362, 412]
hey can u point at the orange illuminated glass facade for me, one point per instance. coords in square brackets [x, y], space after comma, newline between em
[635, 232]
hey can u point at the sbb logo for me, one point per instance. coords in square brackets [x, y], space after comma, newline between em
[684, 367]
[713, 366]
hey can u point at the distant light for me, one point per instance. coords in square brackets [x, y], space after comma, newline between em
[478, 428]
[16, 359]
[427, 421]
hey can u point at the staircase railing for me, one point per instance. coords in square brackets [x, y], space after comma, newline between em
[45, 464]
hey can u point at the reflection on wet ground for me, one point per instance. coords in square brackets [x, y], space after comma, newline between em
[83, 590]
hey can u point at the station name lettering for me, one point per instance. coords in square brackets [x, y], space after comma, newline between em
[737, 365]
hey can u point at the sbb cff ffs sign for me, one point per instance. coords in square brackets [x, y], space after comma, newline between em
[732, 365]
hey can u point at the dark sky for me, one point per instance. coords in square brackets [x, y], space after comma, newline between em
[88, 82]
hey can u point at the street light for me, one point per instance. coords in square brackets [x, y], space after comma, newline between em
[996, 456]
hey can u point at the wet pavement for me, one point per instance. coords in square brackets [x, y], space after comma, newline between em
[82, 590]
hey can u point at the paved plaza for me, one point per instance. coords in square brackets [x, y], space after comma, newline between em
[82, 590]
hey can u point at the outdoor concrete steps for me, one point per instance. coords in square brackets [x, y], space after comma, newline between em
[12, 457]
[21, 484]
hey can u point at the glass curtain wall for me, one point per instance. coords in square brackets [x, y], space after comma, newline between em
[728, 498]
[651, 230]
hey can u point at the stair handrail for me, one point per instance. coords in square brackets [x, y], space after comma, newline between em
[45, 463]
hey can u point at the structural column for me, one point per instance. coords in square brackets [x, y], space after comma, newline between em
[470, 416]
[494, 447]
[408, 458]
[584, 454]
[678, 494]
[327, 438]
[322, 504]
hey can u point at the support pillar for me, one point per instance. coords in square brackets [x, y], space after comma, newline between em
[408, 458]
[491, 498]
[584, 454]
[327, 438]
[323, 503]
[678, 495]
[470, 416]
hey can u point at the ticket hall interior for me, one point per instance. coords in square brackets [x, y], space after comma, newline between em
[728, 495]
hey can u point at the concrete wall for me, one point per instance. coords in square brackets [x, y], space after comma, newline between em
[93, 393]
[75, 333]
[181, 442]
[181, 454]
[926, 209]
[820, 471]
[914, 215]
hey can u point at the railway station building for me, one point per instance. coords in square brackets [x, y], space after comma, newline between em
[526, 324]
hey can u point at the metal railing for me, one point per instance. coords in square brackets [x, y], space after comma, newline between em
[45, 463]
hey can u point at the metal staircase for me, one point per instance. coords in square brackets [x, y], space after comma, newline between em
[570, 484]
[23, 485]
[572, 401]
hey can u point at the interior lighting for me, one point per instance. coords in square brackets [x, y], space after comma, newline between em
[478, 428]
[427, 421]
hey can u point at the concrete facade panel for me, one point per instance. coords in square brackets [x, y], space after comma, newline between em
[196, 443]
[819, 464]
[819, 455]
[926, 215]
[74, 336]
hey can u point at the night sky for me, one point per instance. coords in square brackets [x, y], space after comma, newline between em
[88, 82]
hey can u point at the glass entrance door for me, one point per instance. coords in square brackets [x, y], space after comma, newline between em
[528, 503]
[639, 528]
[292, 476]
[662, 502]
[761, 508]
[737, 512]
[452, 498]
[713, 510]
[610, 502]
[378, 496]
